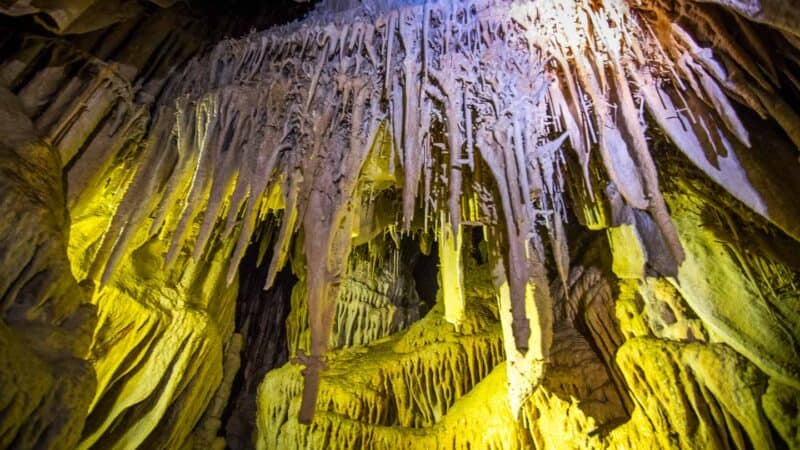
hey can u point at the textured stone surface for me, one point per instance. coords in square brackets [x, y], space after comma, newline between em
[664, 317]
[45, 319]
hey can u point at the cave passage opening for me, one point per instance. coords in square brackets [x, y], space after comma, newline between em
[261, 321]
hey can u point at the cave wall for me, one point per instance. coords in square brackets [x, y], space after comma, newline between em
[631, 167]
[47, 318]
[139, 356]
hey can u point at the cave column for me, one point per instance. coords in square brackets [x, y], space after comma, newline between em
[525, 368]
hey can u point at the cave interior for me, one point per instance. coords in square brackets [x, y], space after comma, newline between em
[399, 224]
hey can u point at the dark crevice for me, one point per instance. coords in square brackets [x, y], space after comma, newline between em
[260, 318]
[478, 249]
[425, 270]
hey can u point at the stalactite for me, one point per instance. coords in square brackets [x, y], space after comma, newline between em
[451, 270]
[412, 91]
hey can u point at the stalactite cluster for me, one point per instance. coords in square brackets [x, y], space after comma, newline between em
[608, 186]
[476, 100]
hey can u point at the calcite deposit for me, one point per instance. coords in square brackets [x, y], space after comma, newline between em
[400, 224]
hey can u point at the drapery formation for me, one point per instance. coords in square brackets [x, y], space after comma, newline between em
[487, 108]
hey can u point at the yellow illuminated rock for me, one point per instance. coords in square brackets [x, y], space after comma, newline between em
[452, 284]
[399, 224]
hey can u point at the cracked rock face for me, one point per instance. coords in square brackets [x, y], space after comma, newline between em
[607, 189]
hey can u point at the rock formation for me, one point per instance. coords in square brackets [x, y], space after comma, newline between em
[607, 187]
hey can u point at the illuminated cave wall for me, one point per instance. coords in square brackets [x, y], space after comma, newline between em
[400, 224]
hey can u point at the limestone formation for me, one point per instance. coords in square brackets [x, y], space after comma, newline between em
[477, 224]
